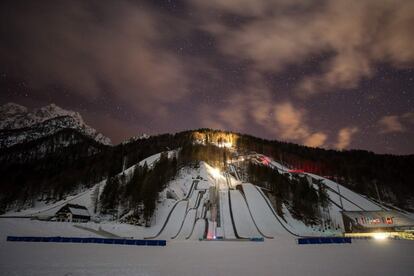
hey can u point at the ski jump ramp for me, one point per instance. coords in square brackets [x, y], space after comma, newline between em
[243, 221]
[262, 215]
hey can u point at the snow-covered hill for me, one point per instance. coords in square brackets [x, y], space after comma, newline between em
[19, 125]
[202, 202]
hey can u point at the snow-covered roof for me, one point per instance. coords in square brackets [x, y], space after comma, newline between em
[79, 211]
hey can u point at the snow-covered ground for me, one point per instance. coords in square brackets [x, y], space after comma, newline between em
[41, 208]
[278, 256]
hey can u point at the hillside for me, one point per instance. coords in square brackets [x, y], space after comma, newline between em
[192, 185]
[29, 174]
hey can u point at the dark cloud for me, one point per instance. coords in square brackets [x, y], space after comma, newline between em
[357, 34]
[91, 47]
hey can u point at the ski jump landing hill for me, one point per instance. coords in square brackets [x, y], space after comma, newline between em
[245, 211]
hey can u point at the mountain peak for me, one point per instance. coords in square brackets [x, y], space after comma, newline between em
[40, 122]
[11, 109]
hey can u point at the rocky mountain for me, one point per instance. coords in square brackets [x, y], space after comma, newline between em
[136, 138]
[19, 125]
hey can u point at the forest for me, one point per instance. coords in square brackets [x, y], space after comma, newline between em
[61, 171]
[304, 201]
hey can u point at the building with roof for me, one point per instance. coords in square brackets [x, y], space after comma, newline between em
[374, 221]
[73, 213]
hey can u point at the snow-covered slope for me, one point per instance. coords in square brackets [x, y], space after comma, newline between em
[340, 199]
[19, 125]
[84, 197]
[204, 202]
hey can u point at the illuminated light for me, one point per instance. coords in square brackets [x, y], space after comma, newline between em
[296, 171]
[225, 145]
[265, 161]
[381, 236]
[215, 172]
[389, 220]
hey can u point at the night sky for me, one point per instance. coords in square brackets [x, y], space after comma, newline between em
[332, 74]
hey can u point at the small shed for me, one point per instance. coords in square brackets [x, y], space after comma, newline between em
[73, 213]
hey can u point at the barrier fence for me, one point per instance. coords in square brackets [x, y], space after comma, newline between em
[324, 240]
[88, 240]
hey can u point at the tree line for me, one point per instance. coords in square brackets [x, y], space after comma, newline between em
[60, 171]
[296, 193]
[140, 192]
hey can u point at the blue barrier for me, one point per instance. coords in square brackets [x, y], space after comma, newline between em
[324, 240]
[88, 240]
[257, 239]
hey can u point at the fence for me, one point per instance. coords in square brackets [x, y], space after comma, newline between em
[324, 240]
[88, 240]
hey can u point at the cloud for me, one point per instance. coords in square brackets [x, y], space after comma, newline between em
[395, 123]
[117, 49]
[289, 121]
[390, 124]
[255, 105]
[316, 140]
[350, 37]
[345, 137]
[408, 117]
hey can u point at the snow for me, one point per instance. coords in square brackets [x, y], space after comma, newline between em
[182, 184]
[262, 214]
[47, 120]
[198, 230]
[116, 229]
[346, 204]
[188, 225]
[348, 199]
[192, 257]
[160, 216]
[42, 209]
[356, 198]
[185, 218]
[200, 208]
[243, 221]
[226, 223]
[175, 221]
[28, 227]
[79, 211]
[151, 160]
[193, 199]
[299, 228]
[84, 197]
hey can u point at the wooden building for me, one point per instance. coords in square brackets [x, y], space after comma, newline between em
[73, 213]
